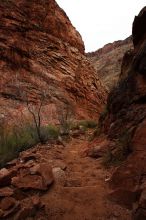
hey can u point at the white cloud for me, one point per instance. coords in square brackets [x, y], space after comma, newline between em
[102, 21]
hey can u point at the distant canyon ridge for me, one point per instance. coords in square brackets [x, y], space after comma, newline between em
[107, 61]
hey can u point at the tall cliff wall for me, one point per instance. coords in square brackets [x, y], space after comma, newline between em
[125, 123]
[40, 50]
[107, 61]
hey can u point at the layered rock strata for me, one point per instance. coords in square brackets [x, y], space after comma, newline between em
[107, 61]
[42, 53]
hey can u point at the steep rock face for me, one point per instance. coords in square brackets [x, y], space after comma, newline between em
[107, 61]
[139, 31]
[40, 51]
[126, 121]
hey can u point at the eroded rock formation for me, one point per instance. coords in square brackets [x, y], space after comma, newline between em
[40, 50]
[107, 61]
[125, 122]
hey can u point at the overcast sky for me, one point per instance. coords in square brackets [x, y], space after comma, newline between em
[102, 21]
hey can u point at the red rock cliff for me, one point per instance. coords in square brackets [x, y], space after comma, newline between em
[41, 50]
[125, 122]
[107, 61]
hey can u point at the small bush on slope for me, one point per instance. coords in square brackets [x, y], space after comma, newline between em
[88, 123]
[17, 140]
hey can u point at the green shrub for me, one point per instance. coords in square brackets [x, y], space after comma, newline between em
[88, 123]
[98, 126]
[82, 125]
[50, 132]
[74, 125]
[13, 142]
[65, 128]
[19, 139]
[95, 134]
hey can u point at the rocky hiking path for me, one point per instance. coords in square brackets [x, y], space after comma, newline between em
[79, 190]
[84, 192]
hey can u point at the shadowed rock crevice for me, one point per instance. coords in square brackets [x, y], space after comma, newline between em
[127, 113]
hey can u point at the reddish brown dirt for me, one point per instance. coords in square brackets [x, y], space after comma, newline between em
[58, 182]
[84, 195]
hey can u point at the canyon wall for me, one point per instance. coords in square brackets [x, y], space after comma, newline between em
[107, 61]
[125, 123]
[42, 54]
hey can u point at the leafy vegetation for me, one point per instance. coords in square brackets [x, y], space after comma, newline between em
[98, 126]
[49, 132]
[87, 124]
[14, 141]
[96, 133]
[82, 125]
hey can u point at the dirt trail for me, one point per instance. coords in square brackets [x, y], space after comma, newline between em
[84, 194]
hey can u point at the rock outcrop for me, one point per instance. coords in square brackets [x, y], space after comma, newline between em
[53, 182]
[125, 122]
[41, 52]
[107, 61]
[14, 202]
